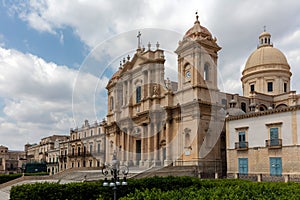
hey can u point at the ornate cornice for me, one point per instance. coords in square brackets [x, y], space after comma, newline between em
[263, 113]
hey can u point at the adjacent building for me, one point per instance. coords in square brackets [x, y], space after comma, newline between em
[265, 141]
[11, 161]
[47, 151]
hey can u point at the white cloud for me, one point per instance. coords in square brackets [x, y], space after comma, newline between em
[234, 23]
[37, 97]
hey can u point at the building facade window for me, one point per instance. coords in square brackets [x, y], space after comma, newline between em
[206, 72]
[274, 131]
[252, 88]
[78, 151]
[138, 94]
[224, 103]
[91, 148]
[270, 86]
[243, 166]
[243, 106]
[284, 87]
[98, 148]
[111, 103]
[274, 137]
[91, 132]
[242, 139]
[275, 166]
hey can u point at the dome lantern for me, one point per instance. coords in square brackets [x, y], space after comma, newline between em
[265, 39]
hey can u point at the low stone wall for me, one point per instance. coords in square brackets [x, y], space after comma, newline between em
[264, 177]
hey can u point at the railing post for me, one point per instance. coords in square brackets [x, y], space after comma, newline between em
[259, 177]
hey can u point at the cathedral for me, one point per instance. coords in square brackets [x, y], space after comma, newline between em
[154, 122]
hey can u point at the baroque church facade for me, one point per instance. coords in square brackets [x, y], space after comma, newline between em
[155, 122]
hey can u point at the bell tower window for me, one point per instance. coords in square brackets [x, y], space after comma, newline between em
[111, 103]
[284, 87]
[252, 88]
[206, 72]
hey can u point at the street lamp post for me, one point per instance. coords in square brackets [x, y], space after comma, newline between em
[115, 168]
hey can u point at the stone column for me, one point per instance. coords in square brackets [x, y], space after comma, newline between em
[155, 142]
[124, 93]
[144, 93]
[168, 160]
[124, 146]
[143, 146]
[149, 153]
[156, 145]
[128, 148]
[129, 92]
[149, 83]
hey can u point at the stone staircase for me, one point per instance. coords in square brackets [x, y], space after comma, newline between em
[22, 179]
[169, 171]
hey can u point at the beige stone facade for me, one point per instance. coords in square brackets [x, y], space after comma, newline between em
[85, 148]
[46, 152]
[150, 123]
[11, 161]
[264, 142]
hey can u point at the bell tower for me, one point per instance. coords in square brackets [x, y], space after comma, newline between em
[197, 59]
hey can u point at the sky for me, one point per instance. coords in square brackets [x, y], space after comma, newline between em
[57, 56]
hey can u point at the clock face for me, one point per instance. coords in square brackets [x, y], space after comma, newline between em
[188, 74]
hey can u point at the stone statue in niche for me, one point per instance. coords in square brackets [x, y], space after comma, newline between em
[155, 90]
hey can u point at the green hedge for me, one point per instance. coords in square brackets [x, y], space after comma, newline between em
[8, 177]
[159, 188]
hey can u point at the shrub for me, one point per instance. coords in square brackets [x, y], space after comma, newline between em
[159, 188]
[8, 177]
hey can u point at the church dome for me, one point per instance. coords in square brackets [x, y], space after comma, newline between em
[235, 112]
[197, 30]
[267, 70]
[264, 56]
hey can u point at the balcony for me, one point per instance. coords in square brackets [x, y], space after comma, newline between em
[241, 145]
[63, 158]
[81, 154]
[274, 143]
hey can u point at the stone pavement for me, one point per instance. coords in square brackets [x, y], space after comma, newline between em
[4, 195]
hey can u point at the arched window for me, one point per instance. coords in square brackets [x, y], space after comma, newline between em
[243, 106]
[138, 94]
[111, 103]
[206, 72]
